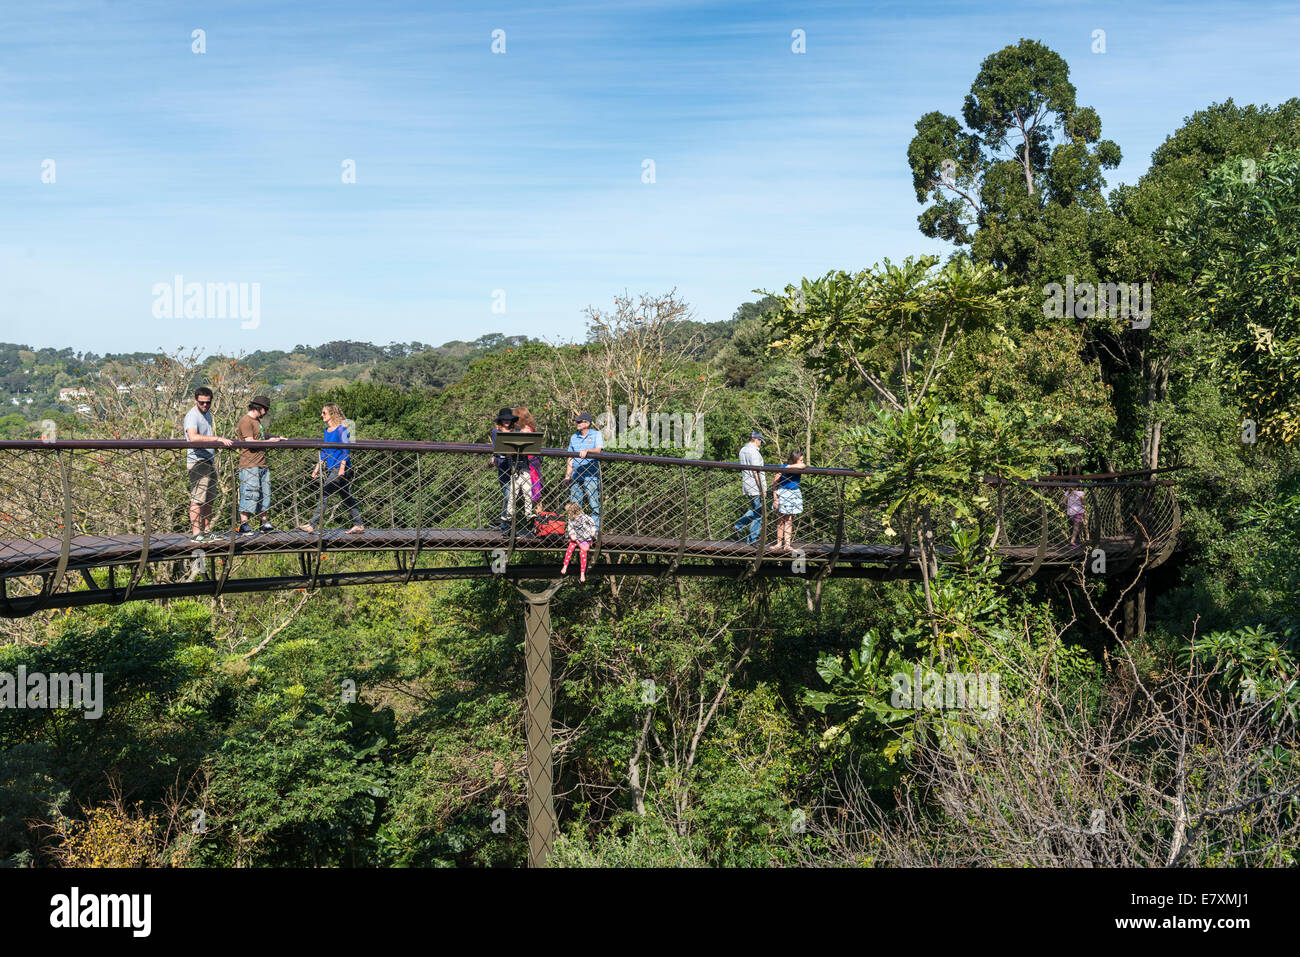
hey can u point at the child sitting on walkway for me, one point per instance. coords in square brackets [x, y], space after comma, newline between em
[582, 530]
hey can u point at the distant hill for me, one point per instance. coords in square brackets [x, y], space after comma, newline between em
[31, 379]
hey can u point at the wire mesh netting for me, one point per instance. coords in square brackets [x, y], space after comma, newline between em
[93, 505]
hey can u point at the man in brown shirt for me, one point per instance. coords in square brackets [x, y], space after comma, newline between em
[254, 467]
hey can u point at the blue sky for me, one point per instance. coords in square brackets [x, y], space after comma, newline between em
[519, 172]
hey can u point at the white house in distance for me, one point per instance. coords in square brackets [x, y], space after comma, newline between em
[73, 393]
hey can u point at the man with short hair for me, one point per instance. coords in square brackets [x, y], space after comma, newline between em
[254, 467]
[584, 472]
[200, 464]
[754, 485]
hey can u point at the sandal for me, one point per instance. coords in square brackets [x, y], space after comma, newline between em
[356, 529]
[306, 528]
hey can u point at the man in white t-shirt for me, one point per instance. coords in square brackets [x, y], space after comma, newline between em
[200, 464]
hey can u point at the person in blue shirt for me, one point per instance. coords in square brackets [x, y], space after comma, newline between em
[584, 472]
[787, 500]
[337, 464]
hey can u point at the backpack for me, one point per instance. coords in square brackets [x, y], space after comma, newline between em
[548, 523]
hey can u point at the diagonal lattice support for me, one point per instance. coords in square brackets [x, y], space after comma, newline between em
[539, 699]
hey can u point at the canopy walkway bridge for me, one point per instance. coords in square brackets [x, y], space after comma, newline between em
[92, 522]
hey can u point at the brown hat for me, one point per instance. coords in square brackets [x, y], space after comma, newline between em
[261, 400]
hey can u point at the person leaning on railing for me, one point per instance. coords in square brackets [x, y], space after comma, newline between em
[200, 464]
[254, 467]
[753, 484]
[584, 473]
[337, 464]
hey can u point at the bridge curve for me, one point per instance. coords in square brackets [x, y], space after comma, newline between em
[103, 521]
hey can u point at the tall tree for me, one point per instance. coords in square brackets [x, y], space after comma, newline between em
[1009, 180]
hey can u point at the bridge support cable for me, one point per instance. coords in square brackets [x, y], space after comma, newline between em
[219, 581]
[1040, 553]
[52, 582]
[604, 512]
[686, 524]
[146, 522]
[419, 503]
[538, 706]
[834, 555]
[763, 532]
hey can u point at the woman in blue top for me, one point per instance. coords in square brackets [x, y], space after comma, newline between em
[787, 500]
[338, 471]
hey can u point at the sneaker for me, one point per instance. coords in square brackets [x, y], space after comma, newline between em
[200, 538]
[246, 529]
[266, 527]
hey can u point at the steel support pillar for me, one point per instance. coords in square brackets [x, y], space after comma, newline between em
[538, 703]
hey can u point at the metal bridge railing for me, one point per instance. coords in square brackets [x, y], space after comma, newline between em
[102, 504]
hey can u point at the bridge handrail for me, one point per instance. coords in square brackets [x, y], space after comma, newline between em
[408, 445]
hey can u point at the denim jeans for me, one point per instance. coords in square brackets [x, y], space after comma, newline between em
[254, 490]
[340, 487]
[588, 485]
[753, 519]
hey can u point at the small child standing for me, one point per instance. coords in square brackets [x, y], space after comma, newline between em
[1075, 512]
[582, 530]
[787, 500]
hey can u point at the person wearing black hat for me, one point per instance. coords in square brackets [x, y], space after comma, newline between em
[584, 472]
[254, 467]
[505, 422]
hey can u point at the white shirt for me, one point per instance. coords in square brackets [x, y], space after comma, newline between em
[750, 481]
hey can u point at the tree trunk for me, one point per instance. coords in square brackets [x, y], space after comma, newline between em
[1157, 387]
[925, 546]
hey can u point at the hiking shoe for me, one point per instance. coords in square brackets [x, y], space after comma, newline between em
[266, 527]
[246, 529]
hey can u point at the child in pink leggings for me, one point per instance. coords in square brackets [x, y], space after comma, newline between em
[582, 530]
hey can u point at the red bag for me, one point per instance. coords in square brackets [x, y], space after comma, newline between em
[548, 523]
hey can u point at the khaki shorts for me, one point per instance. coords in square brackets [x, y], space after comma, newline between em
[203, 482]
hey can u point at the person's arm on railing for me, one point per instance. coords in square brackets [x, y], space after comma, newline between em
[197, 439]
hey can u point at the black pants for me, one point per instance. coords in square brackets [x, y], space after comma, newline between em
[339, 485]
